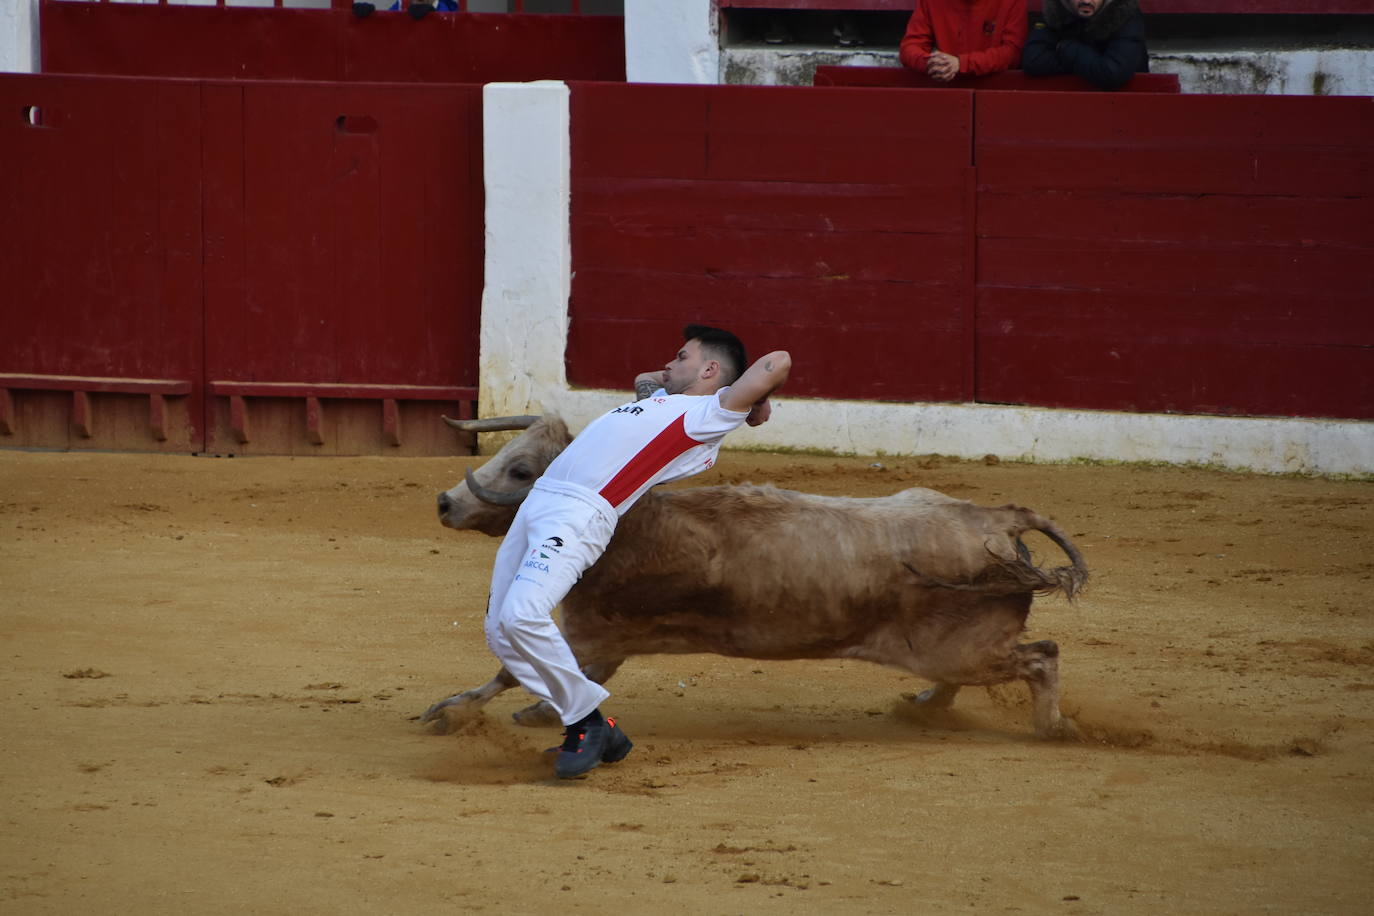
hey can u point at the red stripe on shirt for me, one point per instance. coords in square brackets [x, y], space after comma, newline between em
[651, 459]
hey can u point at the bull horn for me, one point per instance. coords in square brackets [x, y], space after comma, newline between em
[492, 424]
[492, 496]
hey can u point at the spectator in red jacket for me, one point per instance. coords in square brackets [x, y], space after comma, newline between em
[947, 37]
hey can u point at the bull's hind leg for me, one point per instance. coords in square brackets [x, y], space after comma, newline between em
[1037, 664]
[474, 699]
[541, 714]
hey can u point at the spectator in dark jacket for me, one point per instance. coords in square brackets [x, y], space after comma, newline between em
[1103, 41]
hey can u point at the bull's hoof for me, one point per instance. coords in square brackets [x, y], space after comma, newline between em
[1065, 729]
[540, 715]
[436, 712]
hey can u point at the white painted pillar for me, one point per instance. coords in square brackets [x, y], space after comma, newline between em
[527, 169]
[672, 41]
[19, 50]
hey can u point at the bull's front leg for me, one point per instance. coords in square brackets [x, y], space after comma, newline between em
[542, 714]
[475, 699]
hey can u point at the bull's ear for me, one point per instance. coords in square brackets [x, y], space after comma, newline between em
[492, 424]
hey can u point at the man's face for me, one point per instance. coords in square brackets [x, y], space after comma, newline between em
[1086, 8]
[684, 369]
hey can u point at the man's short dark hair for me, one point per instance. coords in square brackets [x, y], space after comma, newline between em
[722, 346]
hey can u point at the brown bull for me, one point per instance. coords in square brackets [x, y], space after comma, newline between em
[917, 580]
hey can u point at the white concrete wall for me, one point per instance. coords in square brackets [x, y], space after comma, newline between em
[525, 321]
[19, 36]
[671, 41]
[1324, 71]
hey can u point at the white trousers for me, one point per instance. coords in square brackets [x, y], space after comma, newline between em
[560, 530]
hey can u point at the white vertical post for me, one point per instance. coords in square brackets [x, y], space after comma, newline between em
[527, 168]
[19, 36]
[672, 41]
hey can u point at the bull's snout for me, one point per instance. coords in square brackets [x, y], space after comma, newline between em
[444, 504]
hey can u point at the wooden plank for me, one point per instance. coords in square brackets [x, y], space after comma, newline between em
[1190, 122]
[1213, 220]
[1271, 317]
[836, 257]
[1178, 376]
[94, 383]
[870, 324]
[930, 201]
[1171, 270]
[638, 130]
[820, 134]
[355, 390]
[1317, 173]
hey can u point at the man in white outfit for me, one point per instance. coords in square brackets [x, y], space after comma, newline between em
[567, 520]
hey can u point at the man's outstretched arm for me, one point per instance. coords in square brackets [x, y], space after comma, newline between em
[750, 392]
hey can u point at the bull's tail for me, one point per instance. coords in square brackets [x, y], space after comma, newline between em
[1019, 575]
[1067, 579]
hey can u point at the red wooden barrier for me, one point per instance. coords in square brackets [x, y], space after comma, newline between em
[834, 223]
[1191, 253]
[328, 44]
[246, 268]
[100, 245]
[1133, 252]
[344, 261]
[901, 77]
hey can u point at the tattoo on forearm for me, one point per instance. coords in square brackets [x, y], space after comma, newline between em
[768, 366]
[644, 388]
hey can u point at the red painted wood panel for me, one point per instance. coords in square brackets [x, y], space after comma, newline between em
[328, 44]
[832, 225]
[481, 47]
[824, 134]
[189, 41]
[1203, 254]
[347, 235]
[100, 245]
[636, 130]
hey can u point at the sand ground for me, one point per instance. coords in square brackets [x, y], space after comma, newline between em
[212, 669]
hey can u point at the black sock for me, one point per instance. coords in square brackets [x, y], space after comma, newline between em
[592, 718]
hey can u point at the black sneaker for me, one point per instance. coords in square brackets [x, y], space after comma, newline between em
[588, 745]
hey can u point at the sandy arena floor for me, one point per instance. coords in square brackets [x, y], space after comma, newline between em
[212, 669]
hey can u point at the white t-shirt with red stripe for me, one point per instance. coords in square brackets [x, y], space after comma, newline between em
[661, 438]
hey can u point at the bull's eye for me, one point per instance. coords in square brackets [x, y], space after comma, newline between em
[520, 474]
